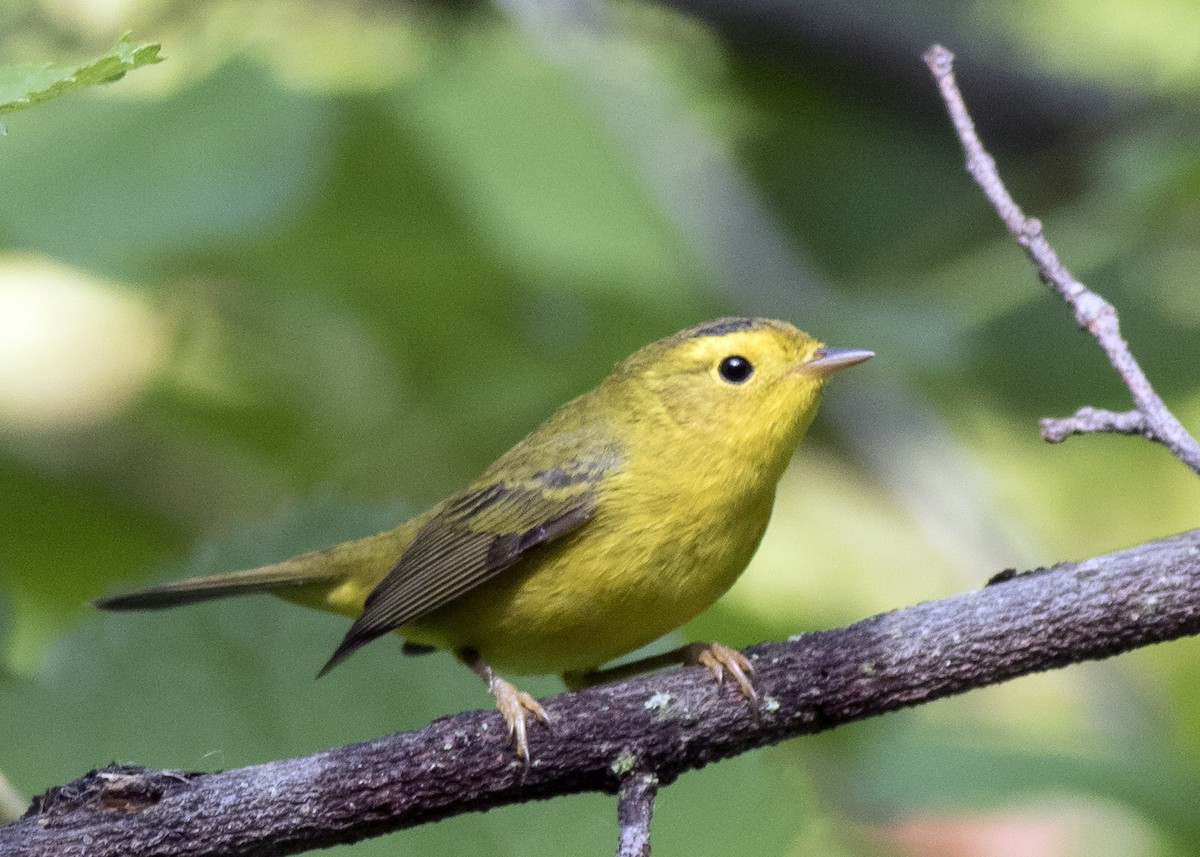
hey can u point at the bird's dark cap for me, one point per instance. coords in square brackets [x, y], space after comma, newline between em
[722, 326]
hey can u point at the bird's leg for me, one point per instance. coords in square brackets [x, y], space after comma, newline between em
[513, 704]
[719, 660]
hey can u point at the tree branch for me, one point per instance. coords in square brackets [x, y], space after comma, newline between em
[635, 805]
[1092, 312]
[665, 724]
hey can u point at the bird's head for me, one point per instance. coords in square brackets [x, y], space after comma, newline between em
[750, 385]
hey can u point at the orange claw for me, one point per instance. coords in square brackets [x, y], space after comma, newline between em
[720, 658]
[514, 705]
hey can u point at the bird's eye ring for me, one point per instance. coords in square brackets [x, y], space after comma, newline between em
[735, 369]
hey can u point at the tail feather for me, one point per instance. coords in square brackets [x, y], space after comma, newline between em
[364, 560]
[270, 578]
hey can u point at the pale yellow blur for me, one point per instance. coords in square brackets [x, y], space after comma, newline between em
[74, 350]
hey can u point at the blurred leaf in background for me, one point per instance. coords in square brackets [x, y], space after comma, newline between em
[24, 85]
[324, 263]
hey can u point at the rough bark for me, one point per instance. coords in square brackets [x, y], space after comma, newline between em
[665, 723]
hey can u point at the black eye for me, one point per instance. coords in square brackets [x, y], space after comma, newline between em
[735, 369]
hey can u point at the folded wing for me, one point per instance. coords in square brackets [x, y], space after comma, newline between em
[475, 536]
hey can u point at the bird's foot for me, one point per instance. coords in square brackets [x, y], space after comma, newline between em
[515, 705]
[721, 660]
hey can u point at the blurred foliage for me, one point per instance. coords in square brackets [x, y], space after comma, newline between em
[325, 262]
[25, 85]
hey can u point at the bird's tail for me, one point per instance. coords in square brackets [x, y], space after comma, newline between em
[336, 578]
[276, 578]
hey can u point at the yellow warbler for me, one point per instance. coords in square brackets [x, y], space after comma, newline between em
[625, 514]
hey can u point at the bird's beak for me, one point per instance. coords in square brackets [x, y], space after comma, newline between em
[825, 361]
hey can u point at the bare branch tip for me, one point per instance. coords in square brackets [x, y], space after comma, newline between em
[1088, 420]
[939, 59]
[1053, 430]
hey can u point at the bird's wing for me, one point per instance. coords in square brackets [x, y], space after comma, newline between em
[476, 535]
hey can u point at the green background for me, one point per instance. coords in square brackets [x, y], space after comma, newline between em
[327, 260]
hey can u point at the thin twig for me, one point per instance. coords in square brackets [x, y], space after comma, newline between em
[1087, 419]
[666, 723]
[1092, 312]
[635, 806]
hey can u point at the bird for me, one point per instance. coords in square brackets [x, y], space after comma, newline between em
[628, 512]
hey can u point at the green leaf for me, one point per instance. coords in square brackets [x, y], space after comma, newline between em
[26, 84]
